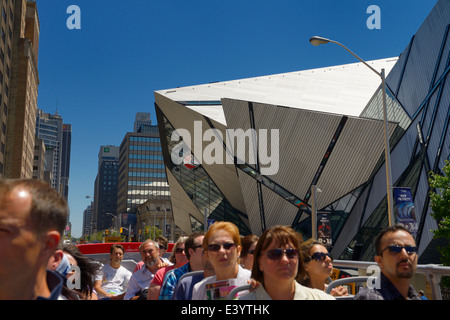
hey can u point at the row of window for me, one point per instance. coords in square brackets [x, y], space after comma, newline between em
[145, 157]
[147, 174]
[145, 148]
[144, 139]
[146, 165]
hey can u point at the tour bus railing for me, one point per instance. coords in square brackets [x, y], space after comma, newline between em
[433, 272]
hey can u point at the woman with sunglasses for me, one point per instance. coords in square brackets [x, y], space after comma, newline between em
[278, 266]
[248, 249]
[178, 258]
[318, 267]
[222, 245]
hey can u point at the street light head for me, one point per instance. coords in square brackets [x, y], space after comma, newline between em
[315, 41]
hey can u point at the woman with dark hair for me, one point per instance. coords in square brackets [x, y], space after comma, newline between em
[278, 266]
[87, 269]
[248, 244]
[318, 265]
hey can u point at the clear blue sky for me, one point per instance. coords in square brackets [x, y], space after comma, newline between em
[98, 77]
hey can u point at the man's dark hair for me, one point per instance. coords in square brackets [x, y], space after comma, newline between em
[389, 229]
[118, 246]
[49, 210]
[190, 243]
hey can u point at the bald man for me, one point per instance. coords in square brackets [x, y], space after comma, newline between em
[32, 221]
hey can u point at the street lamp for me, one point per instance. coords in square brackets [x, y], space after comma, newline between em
[320, 40]
[115, 219]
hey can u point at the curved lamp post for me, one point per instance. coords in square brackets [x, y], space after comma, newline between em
[320, 40]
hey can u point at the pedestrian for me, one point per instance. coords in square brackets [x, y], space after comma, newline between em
[185, 286]
[193, 250]
[163, 244]
[112, 280]
[278, 267]
[222, 244]
[87, 270]
[248, 244]
[140, 280]
[33, 217]
[178, 259]
[422, 295]
[318, 265]
[396, 255]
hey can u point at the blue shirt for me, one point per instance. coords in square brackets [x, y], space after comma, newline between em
[185, 287]
[55, 284]
[171, 280]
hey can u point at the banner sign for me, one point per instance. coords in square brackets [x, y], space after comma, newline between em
[405, 213]
[324, 228]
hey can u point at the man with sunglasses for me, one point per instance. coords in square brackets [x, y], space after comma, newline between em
[396, 255]
[194, 252]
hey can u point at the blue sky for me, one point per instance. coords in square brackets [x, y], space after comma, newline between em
[98, 77]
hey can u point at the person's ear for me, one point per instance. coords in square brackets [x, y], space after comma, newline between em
[379, 260]
[50, 242]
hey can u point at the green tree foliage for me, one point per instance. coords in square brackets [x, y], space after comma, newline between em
[440, 204]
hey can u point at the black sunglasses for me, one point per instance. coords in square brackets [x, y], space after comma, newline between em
[319, 257]
[277, 254]
[179, 250]
[216, 247]
[398, 249]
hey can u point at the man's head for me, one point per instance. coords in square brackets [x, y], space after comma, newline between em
[163, 244]
[117, 252]
[149, 250]
[194, 250]
[32, 220]
[396, 253]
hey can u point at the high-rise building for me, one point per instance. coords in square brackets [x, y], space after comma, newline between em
[141, 169]
[142, 118]
[57, 138]
[87, 219]
[105, 198]
[19, 80]
[65, 163]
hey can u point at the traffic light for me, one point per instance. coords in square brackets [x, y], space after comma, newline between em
[121, 230]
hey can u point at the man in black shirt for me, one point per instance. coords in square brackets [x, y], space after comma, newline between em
[397, 258]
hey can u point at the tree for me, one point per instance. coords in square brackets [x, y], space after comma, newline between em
[151, 232]
[440, 204]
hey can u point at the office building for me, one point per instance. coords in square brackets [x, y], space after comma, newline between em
[19, 46]
[142, 119]
[65, 159]
[141, 169]
[57, 139]
[106, 183]
[313, 128]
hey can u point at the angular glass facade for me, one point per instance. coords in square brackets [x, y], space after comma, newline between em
[200, 188]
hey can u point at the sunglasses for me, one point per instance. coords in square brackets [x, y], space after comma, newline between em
[216, 247]
[277, 254]
[319, 257]
[397, 249]
[179, 250]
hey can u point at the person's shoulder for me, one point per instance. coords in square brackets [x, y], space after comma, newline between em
[365, 293]
[303, 292]
[204, 281]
